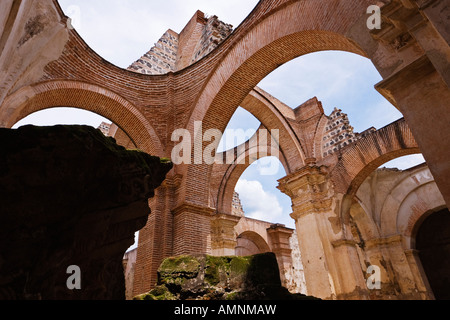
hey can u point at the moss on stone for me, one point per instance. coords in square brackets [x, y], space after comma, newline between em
[159, 293]
[187, 265]
[220, 278]
[211, 271]
[174, 272]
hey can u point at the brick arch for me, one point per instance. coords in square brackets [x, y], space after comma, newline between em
[409, 203]
[276, 39]
[226, 176]
[359, 160]
[273, 40]
[84, 96]
[275, 116]
[255, 239]
[318, 139]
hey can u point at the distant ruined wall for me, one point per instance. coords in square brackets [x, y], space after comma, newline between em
[236, 206]
[295, 277]
[174, 51]
[161, 58]
[339, 133]
[129, 264]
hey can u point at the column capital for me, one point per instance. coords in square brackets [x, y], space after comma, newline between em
[223, 236]
[308, 176]
[310, 190]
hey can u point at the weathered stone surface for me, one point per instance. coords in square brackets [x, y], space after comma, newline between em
[207, 277]
[69, 196]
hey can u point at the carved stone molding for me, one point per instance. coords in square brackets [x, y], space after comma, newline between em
[309, 189]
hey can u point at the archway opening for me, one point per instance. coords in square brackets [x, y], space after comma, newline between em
[266, 209]
[433, 244]
[338, 79]
[405, 162]
[60, 115]
[250, 243]
[258, 193]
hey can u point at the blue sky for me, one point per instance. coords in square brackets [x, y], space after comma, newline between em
[122, 31]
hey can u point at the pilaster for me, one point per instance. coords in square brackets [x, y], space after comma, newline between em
[223, 236]
[310, 194]
[279, 237]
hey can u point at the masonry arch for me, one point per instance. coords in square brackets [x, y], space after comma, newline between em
[412, 200]
[262, 49]
[386, 213]
[84, 96]
[226, 176]
[273, 114]
[250, 243]
[360, 159]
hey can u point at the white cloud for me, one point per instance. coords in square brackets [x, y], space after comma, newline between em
[258, 203]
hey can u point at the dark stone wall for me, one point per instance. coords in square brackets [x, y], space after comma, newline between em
[70, 196]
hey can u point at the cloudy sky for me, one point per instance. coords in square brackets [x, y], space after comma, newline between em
[121, 31]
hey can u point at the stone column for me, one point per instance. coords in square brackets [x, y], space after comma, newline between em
[279, 237]
[330, 261]
[352, 284]
[307, 189]
[223, 236]
[397, 278]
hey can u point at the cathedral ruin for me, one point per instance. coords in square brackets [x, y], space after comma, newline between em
[362, 231]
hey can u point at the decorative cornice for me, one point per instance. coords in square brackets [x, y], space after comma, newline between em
[408, 75]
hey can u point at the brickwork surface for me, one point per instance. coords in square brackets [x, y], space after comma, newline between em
[206, 72]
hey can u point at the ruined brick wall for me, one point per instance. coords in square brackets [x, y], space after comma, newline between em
[236, 206]
[214, 32]
[161, 58]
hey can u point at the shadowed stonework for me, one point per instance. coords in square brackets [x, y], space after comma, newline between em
[69, 196]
